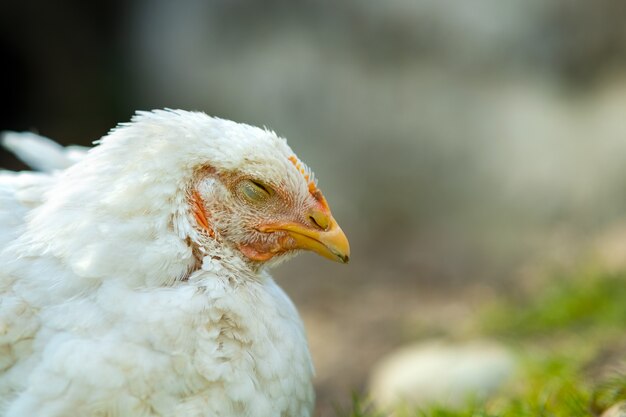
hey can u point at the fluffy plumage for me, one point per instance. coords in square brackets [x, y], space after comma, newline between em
[134, 282]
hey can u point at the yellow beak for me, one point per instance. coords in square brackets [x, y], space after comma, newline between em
[324, 236]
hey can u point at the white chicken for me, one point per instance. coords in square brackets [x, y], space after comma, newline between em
[134, 282]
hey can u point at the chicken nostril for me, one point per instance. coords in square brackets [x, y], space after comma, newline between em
[319, 220]
[314, 222]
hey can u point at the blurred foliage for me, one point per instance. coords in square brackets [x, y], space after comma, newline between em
[563, 333]
[360, 408]
[611, 391]
[588, 302]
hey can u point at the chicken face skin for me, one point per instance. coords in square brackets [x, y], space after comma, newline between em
[265, 219]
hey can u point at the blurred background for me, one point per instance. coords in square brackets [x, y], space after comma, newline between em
[463, 145]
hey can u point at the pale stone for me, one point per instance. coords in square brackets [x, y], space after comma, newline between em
[439, 372]
[618, 410]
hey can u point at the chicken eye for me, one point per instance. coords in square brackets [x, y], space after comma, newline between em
[255, 191]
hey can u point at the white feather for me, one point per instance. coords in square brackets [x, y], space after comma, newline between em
[41, 153]
[95, 319]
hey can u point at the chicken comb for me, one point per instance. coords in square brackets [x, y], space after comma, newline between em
[306, 173]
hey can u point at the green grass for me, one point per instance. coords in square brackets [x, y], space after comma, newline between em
[568, 335]
[588, 302]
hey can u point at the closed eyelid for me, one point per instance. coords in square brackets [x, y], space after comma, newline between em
[262, 186]
[255, 191]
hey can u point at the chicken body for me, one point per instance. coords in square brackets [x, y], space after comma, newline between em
[135, 282]
[216, 345]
